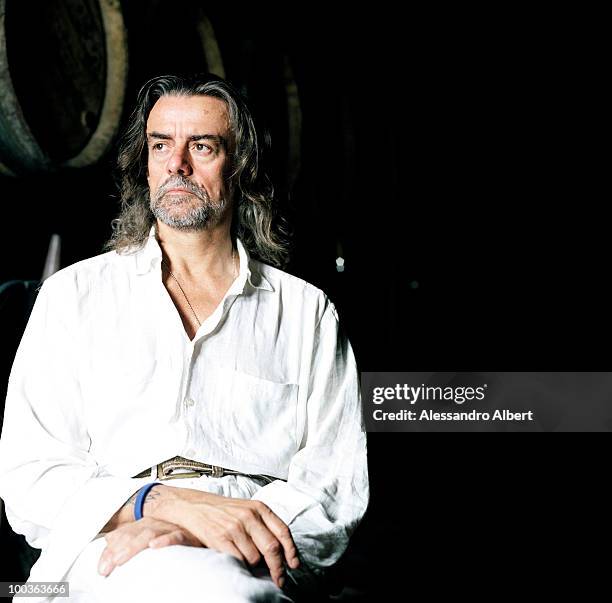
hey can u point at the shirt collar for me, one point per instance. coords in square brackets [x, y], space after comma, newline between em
[150, 255]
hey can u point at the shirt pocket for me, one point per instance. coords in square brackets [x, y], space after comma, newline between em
[257, 418]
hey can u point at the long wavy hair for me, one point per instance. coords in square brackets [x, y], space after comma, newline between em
[256, 218]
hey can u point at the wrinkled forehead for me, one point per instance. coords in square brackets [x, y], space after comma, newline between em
[184, 116]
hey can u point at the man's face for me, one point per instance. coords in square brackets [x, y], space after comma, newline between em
[188, 140]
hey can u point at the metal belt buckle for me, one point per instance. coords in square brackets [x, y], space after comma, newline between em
[217, 471]
[165, 470]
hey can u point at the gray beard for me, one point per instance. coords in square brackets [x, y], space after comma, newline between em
[206, 214]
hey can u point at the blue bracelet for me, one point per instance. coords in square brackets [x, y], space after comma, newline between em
[142, 494]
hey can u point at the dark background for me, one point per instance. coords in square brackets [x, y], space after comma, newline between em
[440, 149]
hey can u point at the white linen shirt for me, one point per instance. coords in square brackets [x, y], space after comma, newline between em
[106, 383]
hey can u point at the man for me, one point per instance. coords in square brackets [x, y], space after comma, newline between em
[177, 354]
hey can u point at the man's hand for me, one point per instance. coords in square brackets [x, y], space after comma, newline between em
[245, 529]
[131, 538]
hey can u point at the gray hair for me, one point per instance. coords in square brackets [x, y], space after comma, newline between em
[256, 219]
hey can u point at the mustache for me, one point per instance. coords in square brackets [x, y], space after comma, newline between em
[181, 182]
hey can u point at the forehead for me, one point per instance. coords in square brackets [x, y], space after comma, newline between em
[185, 115]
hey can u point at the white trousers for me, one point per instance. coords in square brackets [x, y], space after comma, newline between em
[172, 574]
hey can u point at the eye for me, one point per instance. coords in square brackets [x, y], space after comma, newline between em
[200, 147]
[158, 146]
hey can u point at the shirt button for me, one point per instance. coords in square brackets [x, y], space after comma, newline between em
[189, 402]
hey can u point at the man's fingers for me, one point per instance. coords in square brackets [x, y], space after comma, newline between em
[105, 565]
[264, 541]
[251, 549]
[280, 530]
[248, 533]
[269, 535]
[175, 537]
[127, 541]
[237, 530]
[165, 540]
[227, 546]
[269, 545]
[273, 554]
[123, 549]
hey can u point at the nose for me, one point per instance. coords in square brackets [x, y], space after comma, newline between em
[179, 162]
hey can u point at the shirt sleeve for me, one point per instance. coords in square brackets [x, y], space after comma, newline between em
[54, 492]
[327, 490]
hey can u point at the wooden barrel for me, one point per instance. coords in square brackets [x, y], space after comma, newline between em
[63, 68]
